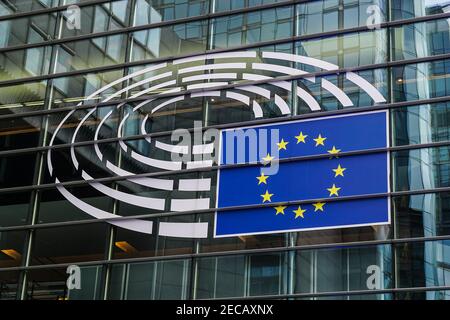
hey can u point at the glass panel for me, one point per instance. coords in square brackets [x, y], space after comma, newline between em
[331, 15]
[424, 215]
[159, 280]
[407, 9]
[97, 52]
[70, 244]
[421, 39]
[8, 285]
[17, 170]
[421, 81]
[421, 169]
[169, 41]
[343, 269]
[148, 12]
[29, 5]
[47, 284]
[24, 63]
[424, 264]
[20, 133]
[91, 282]
[21, 31]
[12, 248]
[253, 27]
[421, 124]
[14, 208]
[100, 18]
[22, 97]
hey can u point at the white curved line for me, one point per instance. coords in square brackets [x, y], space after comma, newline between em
[210, 76]
[189, 204]
[220, 55]
[277, 68]
[155, 87]
[202, 184]
[144, 202]
[161, 184]
[205, 85]
[255, 89]
[213, 67]
[165, 103]
[239, 97]
[143, 130]
[97, 131]
[72, 149]
[120, 132]
[301, 59]
[199, 164]
[137, 84]
[366, 86]
[130, 224]
[337, 92]
[203, 148]
[301, 93]
[257, 111]
[205, 94]
[171, 148]
[282, 105]
[184, 229]
[161, 164]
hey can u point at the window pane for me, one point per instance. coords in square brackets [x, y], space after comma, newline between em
[12, 248]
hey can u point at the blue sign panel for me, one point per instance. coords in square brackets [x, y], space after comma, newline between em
[313, 171]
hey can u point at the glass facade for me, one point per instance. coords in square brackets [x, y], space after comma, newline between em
[69, 89]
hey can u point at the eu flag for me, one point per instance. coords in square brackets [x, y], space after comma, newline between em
[311, 170]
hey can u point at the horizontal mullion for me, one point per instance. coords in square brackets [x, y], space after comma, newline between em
[338, 245]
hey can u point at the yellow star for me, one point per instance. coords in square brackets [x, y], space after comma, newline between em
[339, 171]
[334, 190]
[301, 138]
[266, 196]
[318, 206]
[267, 159]
[280, 209]
[282, 144]
[320, 140]
[334, 150]
[299, 212]
[262, 178]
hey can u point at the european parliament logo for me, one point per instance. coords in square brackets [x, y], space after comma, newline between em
[332, 173]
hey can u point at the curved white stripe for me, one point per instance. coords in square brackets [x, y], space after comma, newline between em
[167, 102]
[277, 68]
[213, 67]
[184, 229]
[210, 76]
[120, 132]
[255, 89]
[366, 86]
[203, 148]
[337, 92]
[161, 184]
[205, 94]
[301, 93]
[257, 111]
[144, 202]
[220, 55]
[172, 148]
[301, 59]
[189, 204]
[139, 83]
[161, 164]
[203, 184]
[130, 224]
[239, 97]
[72, 149]
[199, 164]
[97, 131]
[205, 85]
[282, 105]
[155, 87]
[144, 131]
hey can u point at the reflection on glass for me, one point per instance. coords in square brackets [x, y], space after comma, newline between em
[424, 264]
[407, 9]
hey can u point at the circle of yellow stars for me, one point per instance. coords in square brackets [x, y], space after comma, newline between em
[333, 190]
